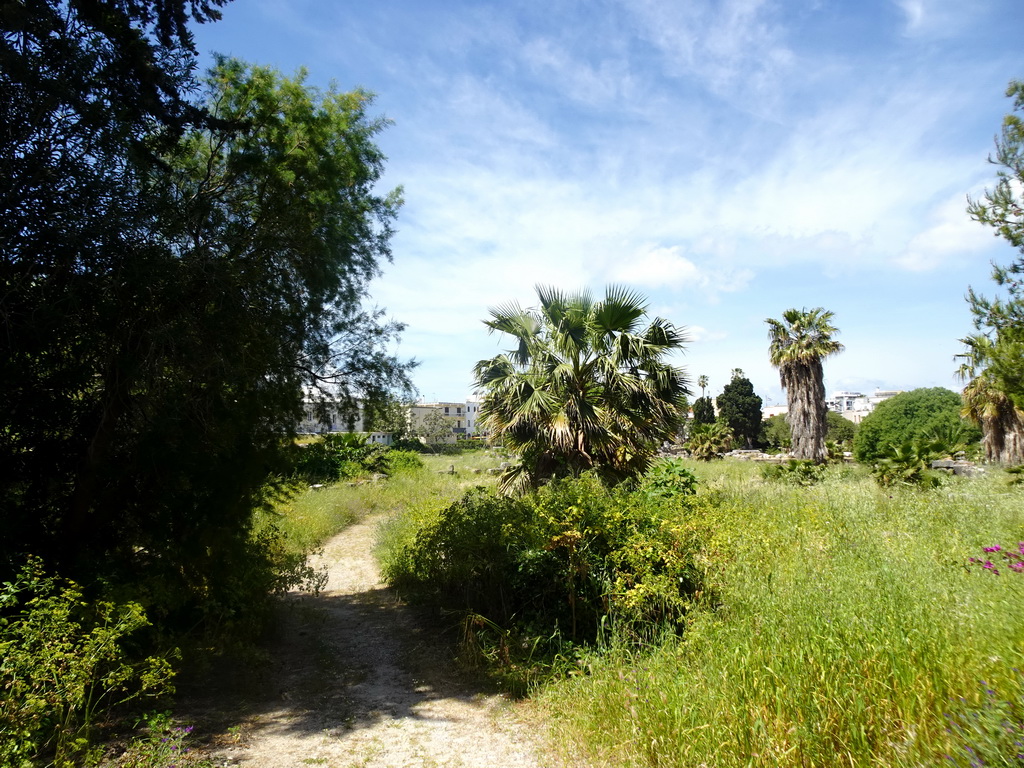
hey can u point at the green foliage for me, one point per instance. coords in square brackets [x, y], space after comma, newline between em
[586, 388]
[403, 461]
[740, 408]
[775, 432]
[434, 429]
[796, 472]
[1001, 320]
[840, 429]
[709, 441]
[62, 663]
[341, 455]
[909, 463]
[149, 407]
[669, 478]
[703, 411]
[845, 631]
[574, 559]
[989, 728]
[165, 746]
[905, 417]
[993, 360]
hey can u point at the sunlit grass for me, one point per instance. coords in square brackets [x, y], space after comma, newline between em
[844, 627]
[311, 516]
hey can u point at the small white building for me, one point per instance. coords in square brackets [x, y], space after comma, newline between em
[472, 413]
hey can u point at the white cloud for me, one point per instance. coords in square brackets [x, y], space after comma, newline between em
[699, 333]
[951, 235]
[661, 267]
[733, 48]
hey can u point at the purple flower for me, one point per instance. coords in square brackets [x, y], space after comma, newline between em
[996, 548]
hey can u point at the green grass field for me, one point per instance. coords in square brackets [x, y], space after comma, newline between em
[846, 629]
[842, 624]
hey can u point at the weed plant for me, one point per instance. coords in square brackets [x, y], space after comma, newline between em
[63, 666]
[165, 745]
[847, 631]
[537, 578]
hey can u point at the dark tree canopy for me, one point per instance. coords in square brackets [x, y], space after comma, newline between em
[840, 429]
[703, 411]
[740, 408]
[173, 278]
[907, 416]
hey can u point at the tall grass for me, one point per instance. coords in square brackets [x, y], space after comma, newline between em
[312, 516]
[845, 627]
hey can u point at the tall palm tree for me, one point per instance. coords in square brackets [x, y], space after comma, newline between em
[586, 386]
[987, 404]
[799, 342]
[702, 382]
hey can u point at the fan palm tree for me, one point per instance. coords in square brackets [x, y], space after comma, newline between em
[799, 342]
[988, 405]
[702, 382]
[586, 386]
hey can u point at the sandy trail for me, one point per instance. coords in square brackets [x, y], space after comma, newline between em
[356, 680]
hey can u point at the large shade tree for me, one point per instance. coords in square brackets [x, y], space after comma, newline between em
[586, 387]
[798, 344]
[157, 348]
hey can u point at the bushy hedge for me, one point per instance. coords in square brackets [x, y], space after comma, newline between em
[574, 558]
[344, 454]
[907, 416]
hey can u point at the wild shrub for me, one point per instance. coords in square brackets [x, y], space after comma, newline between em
[669, 478]
[575, 558]
[402, 461]
[63, 663]
[796, 472]
[909, 463]
[341, 455]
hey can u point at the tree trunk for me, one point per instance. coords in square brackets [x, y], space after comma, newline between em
[805, 387]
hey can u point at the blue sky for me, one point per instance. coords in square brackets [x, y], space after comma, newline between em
[727, 159]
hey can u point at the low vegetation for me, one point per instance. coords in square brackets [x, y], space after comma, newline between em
[735, 621]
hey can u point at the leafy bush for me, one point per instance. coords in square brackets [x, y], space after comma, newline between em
[340, 455]
[62, 662]
[795, 471]
[709, 441]
[909, 464]
[573, 558]
[910, 415]
[402, 461]
[669, 478]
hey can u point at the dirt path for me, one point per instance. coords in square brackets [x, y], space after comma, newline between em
[355, 680]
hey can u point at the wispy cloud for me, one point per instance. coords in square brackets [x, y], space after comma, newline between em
[735, 49]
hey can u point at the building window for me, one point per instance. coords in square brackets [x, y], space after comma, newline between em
[446, 410]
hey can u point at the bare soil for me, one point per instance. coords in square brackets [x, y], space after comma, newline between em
[356, 678]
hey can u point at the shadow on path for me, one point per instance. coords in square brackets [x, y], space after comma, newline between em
[336, 663]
